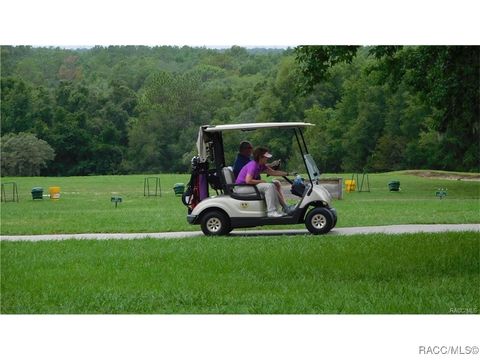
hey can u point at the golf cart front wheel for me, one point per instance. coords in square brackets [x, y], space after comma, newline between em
[215, 223]
[319, 221]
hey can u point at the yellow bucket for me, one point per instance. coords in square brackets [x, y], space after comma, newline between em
[350, 185]
[54, 192]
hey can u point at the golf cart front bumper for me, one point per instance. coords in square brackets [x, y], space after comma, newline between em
[192, 219]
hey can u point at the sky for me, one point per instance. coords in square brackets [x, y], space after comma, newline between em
[247, 23]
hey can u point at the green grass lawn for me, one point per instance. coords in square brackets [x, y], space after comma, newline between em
[85, 205]
[416, 273]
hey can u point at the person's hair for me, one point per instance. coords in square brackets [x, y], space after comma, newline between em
[244, 145]
[258, 153]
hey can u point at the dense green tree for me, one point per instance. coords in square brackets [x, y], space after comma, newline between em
[316, 61]
[24, 154]
[445, 78]
[448, 79]
[16, 105]
[169, 107]
[117, 109]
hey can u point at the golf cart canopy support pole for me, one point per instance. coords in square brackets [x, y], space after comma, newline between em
[218, 150]
[303, 140]
[303, 154]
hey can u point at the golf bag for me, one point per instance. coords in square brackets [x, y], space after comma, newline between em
[197, 187]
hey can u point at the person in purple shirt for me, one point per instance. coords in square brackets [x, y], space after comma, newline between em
[250, 174]
[244, 156]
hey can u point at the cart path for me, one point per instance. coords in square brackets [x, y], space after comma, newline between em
[388, 229]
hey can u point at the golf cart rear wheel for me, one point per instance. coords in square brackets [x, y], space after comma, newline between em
[215, 223]
[319, 221]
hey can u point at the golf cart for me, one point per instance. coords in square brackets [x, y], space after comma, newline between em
[229, 209]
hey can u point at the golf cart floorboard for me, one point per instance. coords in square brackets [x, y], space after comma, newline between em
[238, 222]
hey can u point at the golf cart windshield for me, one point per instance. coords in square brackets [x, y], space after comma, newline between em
[312, 167]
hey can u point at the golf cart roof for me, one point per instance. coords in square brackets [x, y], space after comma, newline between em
[254, 126]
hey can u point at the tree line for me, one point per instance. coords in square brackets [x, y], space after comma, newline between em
[136, 109]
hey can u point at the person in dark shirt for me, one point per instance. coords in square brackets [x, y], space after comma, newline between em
[243, 157]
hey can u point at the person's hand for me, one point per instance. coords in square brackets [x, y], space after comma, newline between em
[275, 165]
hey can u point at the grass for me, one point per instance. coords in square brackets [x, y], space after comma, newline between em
[85, 205]
[414, 274]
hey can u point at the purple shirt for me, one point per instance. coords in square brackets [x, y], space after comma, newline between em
[252, 168]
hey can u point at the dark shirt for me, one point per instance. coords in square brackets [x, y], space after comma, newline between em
[240, 162]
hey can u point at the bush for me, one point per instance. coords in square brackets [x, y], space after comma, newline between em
[24, 154]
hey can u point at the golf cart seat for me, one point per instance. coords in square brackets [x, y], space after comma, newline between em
[231, 188]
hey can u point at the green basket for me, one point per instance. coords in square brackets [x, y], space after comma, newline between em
[37, 193]
[179, 188]
[394, 185]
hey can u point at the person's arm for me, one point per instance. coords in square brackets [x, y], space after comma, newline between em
[251, 181]
[272, 172]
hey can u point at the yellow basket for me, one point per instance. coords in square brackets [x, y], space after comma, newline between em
[350, 185]
[54, 192]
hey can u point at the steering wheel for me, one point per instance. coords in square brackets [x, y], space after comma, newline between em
[275, 165]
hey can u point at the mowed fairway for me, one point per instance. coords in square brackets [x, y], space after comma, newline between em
[85, 205]
[417, 273]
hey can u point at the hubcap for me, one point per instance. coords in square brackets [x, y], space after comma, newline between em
[319, 221]
[214, 224]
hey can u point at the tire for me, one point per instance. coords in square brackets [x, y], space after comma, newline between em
[215, 223]
[334, 220]
[319, 221]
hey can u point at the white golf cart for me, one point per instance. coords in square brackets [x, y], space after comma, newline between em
[228, 209]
